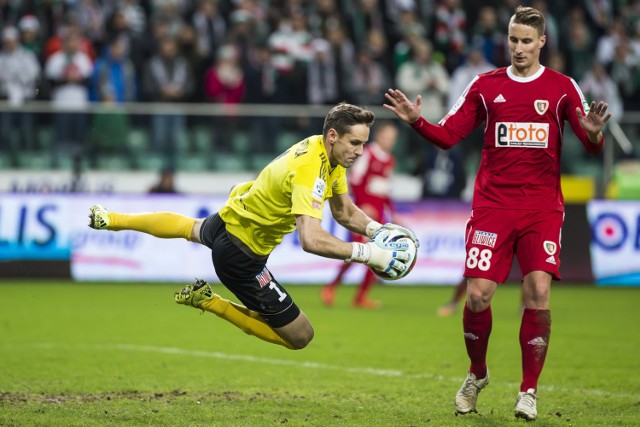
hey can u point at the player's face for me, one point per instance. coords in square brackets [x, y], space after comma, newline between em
[524, 47]
[345, 149]
[386, 138]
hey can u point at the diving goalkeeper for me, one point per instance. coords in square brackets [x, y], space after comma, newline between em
[288, 193]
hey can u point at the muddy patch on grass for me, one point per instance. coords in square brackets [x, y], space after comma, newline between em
[8, 398]
[16, 397]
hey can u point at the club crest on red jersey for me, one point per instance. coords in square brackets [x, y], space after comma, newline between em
[541, 106]
[550, 247]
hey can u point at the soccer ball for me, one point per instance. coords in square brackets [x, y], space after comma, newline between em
[386, 239]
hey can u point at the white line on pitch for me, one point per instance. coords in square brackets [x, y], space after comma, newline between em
[315, 365]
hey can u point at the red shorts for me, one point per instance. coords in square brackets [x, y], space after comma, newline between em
[493, 236]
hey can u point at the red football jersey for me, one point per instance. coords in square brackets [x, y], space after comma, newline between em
[523, 124]
[370, 179]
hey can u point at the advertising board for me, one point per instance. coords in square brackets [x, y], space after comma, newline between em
[615, 241]
[54, 227]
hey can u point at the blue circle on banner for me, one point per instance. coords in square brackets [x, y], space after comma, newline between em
[609, 231]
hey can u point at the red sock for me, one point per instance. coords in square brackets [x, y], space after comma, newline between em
[338, 279]
[477, 328]
[534, 341]
[367, 283]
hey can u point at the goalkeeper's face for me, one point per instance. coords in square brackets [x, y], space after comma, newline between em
[345, 149]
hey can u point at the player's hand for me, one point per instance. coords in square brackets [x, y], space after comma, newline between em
[402, 107]
[595, 119]
[403, 230]
[372, 228]
[390, 262]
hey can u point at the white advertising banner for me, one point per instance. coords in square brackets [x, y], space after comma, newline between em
[35, 226]
[130, 255]
[615, 241]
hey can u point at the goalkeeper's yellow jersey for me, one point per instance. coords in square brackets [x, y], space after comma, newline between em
[261, 212]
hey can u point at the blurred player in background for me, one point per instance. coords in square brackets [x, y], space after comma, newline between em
[165, 184]
[518, 208]
[289, 193]
[370, 183]
[458, 294]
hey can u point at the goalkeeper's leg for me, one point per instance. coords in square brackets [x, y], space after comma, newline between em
[200, 295]
[166, 225]
[295, 335]
[252, 323]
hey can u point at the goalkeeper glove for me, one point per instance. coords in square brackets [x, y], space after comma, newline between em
[372, 228]
[403, 230]
[381, 239]
[387, 261]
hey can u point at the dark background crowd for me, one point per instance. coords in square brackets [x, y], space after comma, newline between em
[77, 52]
[301, 52]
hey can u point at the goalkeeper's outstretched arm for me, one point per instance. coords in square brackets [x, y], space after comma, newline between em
[351, 217]
[355, 219]
[314, 239]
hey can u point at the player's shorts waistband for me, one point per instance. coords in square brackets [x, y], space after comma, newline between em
[213, 224]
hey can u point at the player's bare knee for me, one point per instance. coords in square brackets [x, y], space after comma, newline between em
[479, 293]
[302, 340]
[195, 231]
[540, 295]
[536, 292]
[298, 333]
[301, 343]
[478, 300]
[537, 299]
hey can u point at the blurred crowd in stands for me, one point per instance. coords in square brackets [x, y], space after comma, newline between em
[297, 51]
[314, 52]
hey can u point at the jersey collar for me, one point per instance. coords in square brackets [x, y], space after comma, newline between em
[326, 153]
[379, 152]
[524, 79]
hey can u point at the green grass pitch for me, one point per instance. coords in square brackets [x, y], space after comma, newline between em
[86, 354]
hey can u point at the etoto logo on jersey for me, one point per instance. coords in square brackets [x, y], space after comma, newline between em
[522, 135]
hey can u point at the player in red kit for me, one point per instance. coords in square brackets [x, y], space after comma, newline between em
[370, 182]
[517, 208]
